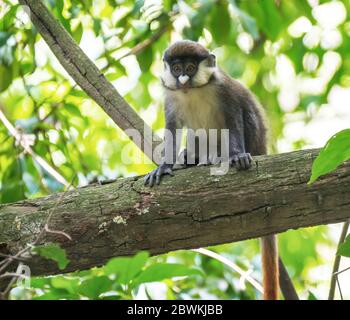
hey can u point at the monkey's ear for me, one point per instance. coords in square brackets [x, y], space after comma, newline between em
[211, 60]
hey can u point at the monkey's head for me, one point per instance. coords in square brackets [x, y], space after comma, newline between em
[187, 64]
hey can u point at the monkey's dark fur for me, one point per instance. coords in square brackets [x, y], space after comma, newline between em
[234, 107]
[208, 98]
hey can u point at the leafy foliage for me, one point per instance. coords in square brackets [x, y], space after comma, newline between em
[335, 152]
[344, 248]
[270, 46]
[54, 252]
[119, 279]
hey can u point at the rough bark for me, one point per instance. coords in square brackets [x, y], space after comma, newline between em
[85, 73]
[190, 210]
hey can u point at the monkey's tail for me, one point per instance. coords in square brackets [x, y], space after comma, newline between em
[269, 254]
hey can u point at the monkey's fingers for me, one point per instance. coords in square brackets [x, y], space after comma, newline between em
[241, 161]
[249, 159]
[146, 178]
[234, 161]
[149, 178]
[158, 175]
[245, 160]
[162, 172]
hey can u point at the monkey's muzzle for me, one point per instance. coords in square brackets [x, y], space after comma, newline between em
[183, 79]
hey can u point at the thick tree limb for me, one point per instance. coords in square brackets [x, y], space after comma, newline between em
[87, 76]
[191, 210]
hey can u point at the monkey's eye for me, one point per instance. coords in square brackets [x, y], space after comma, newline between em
[190, 68]
[177, 69]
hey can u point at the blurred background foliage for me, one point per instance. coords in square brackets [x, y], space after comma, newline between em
[294, 55]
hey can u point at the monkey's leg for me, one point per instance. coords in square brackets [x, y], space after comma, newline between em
[238, 157]
[171, 150]
[269, 253]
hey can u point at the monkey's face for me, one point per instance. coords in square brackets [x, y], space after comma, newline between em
[187, 65]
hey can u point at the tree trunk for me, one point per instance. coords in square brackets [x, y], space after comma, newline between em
[190, 210]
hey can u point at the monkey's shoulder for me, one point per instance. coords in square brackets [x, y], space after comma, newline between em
[230, 87]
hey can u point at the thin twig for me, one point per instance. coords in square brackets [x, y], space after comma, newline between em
[41, 161]
[47, 230]
[244, 274]
[9, 256]
[146, 43]
[5, 293]
[341, 271]
[336, 264]
[13, 274]
[339, 288]
[14, 277]
[12, 258]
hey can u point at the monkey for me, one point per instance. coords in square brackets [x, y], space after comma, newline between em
[199, 95]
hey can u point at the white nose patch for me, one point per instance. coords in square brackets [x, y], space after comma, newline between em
[183, 79]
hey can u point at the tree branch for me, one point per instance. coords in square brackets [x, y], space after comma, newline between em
[244, 275]
[337, 258]
[190, 210]
[87, 76]
[146, 43]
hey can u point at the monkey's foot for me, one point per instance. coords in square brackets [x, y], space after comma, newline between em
[155, 175]
[242, 161]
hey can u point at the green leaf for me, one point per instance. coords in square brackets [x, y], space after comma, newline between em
[40, 282]
[78, 33]
[145, 59]
[112, 76]
[53, 252]
[126, 268]
[6, 75]
[4, 36]
[344, 248]
[248, 22]
[78, 93]
[311, 296]
[196, 17]
[220, 23]
[335, 152]
[59, 5]
[12, 188]
[162, 271]
[8, 19]
[67, 283]
[53, 295]
[97, 26]
[73, 109]
[93, 287]
[138, 4]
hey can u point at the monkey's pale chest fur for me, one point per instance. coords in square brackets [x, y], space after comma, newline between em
[198, 108]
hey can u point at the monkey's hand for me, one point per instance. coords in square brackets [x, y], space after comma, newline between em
[155, 175]
[242, 161]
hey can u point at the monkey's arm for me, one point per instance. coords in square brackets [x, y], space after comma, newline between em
[238, 156]
[170, 150]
